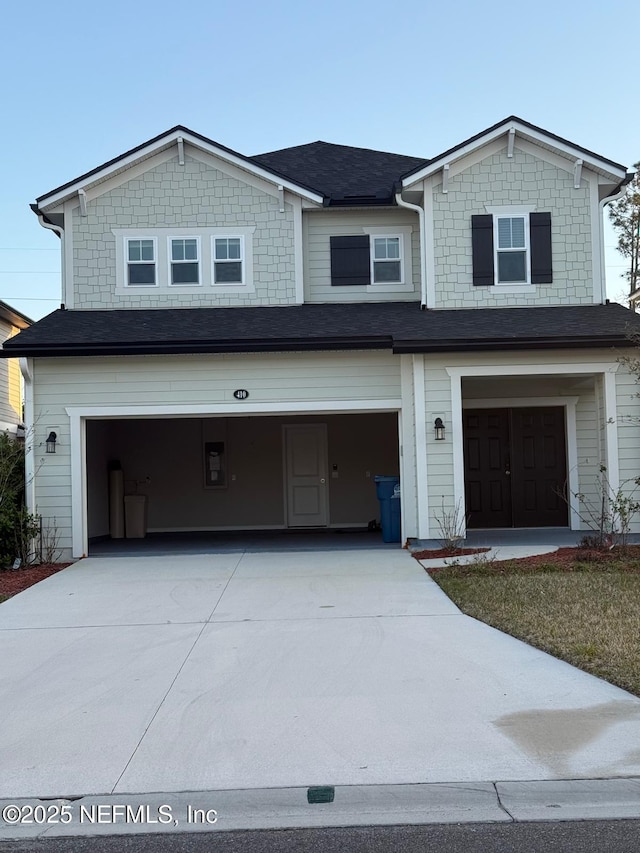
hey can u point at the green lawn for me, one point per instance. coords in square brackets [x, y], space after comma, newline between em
[584, 613]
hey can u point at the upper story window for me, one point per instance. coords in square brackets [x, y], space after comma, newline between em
[511, 248]
[511, 241]
[387, 260]
[185, 260]
[141, 262]
[228, 260]
[188, 260]
[377, 259]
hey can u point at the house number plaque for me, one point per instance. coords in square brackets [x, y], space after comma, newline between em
[241, 394]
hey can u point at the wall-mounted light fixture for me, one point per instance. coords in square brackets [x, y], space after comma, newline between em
[438, 428]
[51, 442]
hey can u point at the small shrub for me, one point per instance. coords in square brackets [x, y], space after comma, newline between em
[17, 526]
[450, 525]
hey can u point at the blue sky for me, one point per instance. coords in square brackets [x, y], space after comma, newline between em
[84, 82]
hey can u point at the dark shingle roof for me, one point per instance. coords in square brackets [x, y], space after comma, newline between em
[398, 326]
[344, 175]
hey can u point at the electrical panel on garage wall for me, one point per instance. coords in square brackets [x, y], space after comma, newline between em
[215, 455]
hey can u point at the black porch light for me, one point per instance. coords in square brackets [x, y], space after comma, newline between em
[51, 442]
[438, 428]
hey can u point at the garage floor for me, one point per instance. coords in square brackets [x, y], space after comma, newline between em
[241, 541]
[241, 670]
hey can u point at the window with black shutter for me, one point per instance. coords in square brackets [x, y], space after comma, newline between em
[511, 248]
[350, 261]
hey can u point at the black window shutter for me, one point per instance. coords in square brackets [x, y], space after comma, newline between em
[540, 226]
[482, 249]
[350, 260]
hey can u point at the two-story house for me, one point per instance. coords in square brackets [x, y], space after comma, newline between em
[250, 340]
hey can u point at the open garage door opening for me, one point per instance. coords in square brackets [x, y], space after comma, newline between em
[194, 482]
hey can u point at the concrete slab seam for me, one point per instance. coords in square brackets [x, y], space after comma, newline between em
[175, 678]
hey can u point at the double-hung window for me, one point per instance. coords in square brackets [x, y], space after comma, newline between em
[228, 260]
[141, 262]
[511, 248]
[184, 262]
[511, 241]
[387, 260]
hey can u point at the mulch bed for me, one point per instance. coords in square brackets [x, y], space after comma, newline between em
[432, 554]
[566, 558]
[14, 581]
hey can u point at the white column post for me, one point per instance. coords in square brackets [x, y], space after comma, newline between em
[420, 409]
[611, 431]
[80, 543]
[458, 447]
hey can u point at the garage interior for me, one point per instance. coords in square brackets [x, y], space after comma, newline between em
[226, 480]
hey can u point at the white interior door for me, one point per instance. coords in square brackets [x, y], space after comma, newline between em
[306, 475]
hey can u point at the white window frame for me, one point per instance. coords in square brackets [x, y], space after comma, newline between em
[509, 250]
[127, 262]
[373, 260]
[170, 260]
[512, 212]
[162, 250]
[403, 232]
[215, 260]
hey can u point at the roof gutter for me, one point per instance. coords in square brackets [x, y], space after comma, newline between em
[405, 347]
[198, 347]
[423, 258]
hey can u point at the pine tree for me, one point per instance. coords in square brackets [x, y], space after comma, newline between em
[625, 218]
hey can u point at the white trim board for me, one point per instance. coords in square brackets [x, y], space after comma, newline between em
[78, 416]
[567, 369]
[160, 145]
[235, 408]
[607, 369]
[420, 408]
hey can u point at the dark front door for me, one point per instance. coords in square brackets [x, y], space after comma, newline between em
[515, 467]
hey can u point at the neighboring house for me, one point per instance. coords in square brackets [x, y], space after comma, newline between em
[253, 339]
[11, 417]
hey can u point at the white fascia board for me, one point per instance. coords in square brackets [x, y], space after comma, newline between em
[522, 132]
[164, 143]
[454, 156]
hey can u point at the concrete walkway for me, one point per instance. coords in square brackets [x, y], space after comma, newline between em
[228, 672]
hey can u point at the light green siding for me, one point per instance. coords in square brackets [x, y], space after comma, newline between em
[193, 196]
[502, 181]
[159, 381]
[320, 226]
[629, 431]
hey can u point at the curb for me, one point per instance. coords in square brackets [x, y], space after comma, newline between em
[288, 808]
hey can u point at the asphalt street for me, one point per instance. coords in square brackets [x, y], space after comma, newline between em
[621, 836]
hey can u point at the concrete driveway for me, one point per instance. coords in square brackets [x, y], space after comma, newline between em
[210, 672]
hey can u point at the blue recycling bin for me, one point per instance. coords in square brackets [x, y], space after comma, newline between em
[388, 492]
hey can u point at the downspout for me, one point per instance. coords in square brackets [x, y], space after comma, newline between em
[608, 200]
[60, 232]
[423, 258]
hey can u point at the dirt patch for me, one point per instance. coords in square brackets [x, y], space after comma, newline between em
[440, 553]
[13, 582]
